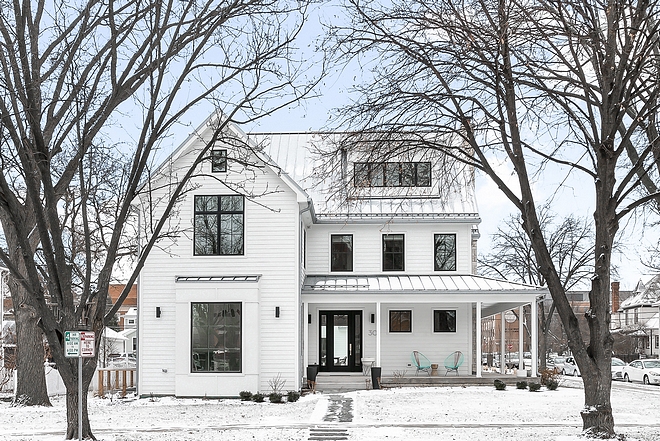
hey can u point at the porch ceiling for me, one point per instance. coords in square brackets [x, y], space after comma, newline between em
[495, 295]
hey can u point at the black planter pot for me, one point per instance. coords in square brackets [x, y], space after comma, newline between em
[312, 371]
[375, 377]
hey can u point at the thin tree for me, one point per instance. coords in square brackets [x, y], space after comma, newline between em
[539, 86]
[90, 92]
[511, 257]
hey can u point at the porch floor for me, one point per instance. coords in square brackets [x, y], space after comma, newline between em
[328, 382]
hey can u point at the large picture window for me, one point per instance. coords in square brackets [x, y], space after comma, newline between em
[401, 321]
[445, 252]
[392, 174]
[216, 337]
[444, 320]
[393, 252]
[219, 225]
[341, 252]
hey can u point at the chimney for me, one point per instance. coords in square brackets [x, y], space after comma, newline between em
[615, 296]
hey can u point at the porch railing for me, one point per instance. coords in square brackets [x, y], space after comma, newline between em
[115, 379]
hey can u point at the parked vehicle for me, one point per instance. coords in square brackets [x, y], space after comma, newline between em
[617, 368]
[570, 367]
[556, 364]
[646, 371]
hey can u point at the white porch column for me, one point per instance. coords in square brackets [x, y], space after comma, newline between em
[502, 343]
[377, 334]
[521, 338]
[305, 344]
[535, 338]
[478, 339]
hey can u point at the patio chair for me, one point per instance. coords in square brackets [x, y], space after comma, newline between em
[453, 362]
[420, 362]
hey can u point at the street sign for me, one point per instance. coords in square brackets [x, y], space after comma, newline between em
[79, 344]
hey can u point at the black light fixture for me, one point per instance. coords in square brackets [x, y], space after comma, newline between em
[157, 311]
[277, 311]
[373, 318]
[309, 319]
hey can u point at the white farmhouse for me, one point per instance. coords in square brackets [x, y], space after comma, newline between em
[280, 259]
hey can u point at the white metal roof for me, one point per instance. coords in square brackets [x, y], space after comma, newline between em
[414, 283]
[297, 154]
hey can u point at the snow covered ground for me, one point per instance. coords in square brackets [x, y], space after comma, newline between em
[440, 413]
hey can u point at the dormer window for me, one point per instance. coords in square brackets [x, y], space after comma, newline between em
[392, 174]
[219, 161]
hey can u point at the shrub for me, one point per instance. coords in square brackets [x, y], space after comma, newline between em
[521, 385]
[499, 384]
[534, 387]
[245, 395]
[547, 375]
[275, 397]
[552, 384]
[258, 398]
[292, 396]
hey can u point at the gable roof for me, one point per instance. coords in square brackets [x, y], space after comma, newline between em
[646, 293]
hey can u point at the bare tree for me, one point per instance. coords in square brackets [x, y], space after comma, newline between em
[90, 93]
[540, 86]
[570, 243]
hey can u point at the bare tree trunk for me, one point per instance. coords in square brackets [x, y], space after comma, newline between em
[72, 414]
[30, 374]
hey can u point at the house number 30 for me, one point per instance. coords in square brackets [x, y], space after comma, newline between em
[372, 333]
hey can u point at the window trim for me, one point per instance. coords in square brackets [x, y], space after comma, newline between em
[219, 161]
[403, 252]
[241, 341]
[389, 321]
[435, 250]
[218, 213]
[352, 253]
[435, 331]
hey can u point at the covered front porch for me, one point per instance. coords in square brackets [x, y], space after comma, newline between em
[359, 321]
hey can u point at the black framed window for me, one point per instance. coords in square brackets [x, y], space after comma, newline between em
[219, 161]
[219, 225]
[392, 174]
[216, 334]
[341, 252]
[444, 320]
[401, 321]
[393, 252]
[445, 252]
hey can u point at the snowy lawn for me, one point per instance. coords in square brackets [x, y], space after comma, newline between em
[449, 413]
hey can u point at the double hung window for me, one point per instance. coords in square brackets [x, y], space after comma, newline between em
[393, 252]
[341, 252]
[444, 252]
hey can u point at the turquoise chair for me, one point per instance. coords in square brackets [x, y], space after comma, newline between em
[453, 362]
[420, 362]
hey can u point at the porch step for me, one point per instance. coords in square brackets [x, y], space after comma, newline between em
[335, 383]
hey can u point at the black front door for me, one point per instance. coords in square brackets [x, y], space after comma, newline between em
[340, 341]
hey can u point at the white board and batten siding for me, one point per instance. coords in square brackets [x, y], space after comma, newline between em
[269, 344]
[367, 246]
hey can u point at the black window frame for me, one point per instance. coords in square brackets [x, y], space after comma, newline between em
[440, 264]
[219, 161]
[336, 253]
[396, 321]
[389, 256]
[215, 325]
[443, 320]
[219, 212]
[392, 174]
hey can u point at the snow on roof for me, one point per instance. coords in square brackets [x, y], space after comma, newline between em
[647, 293]
[307, 158]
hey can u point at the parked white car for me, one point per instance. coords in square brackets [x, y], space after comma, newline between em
[617, 368]
[645, 371]
[570, 367]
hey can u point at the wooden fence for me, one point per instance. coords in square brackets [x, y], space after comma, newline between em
[115, 379]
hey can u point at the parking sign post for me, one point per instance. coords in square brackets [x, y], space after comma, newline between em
[79, 344]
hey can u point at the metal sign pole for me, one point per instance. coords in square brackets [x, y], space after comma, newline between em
[80, 396]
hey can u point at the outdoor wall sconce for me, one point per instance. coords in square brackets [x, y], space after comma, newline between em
[157, 311]
[277, 311]
[373, 318]
[309, 319]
